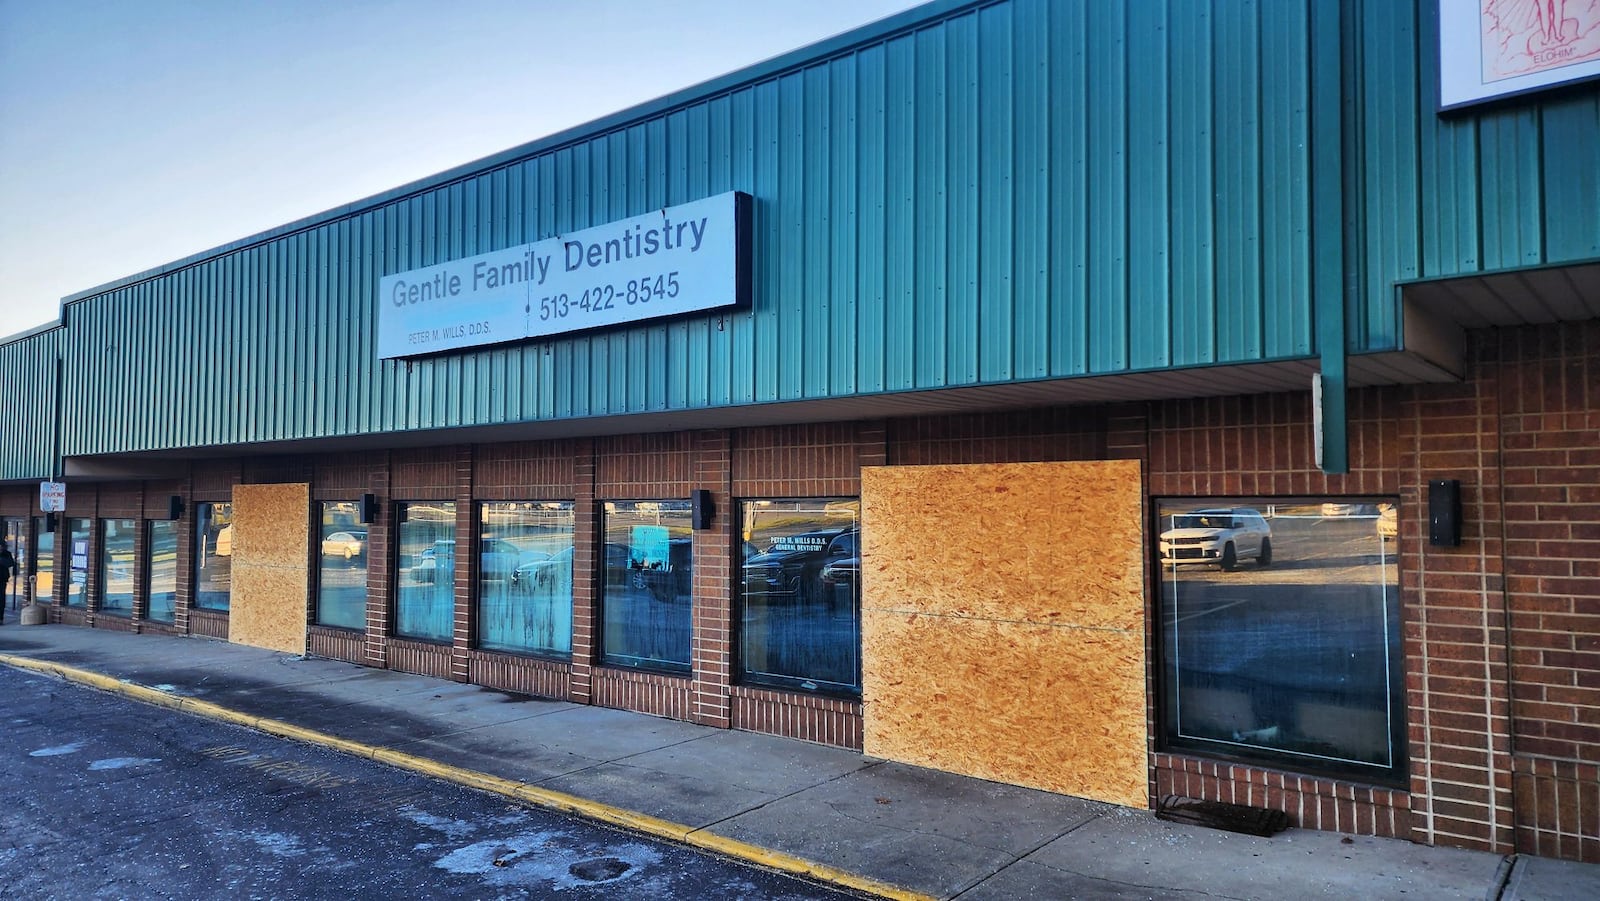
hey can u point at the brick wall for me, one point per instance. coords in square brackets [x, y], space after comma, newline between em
[1549, 397]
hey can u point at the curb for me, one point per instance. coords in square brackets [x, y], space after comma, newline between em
[518, 791]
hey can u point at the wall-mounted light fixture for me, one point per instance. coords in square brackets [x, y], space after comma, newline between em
[175, 507]
[1444, 512]
[701, 509]
[369, 508]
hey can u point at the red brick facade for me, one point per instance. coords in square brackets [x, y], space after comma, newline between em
[1501, 634]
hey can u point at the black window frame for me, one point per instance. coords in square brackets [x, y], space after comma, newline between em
[633, 663]
[354, 509]
[740, 673]
[144, 599]
[1394, 776]
[199, 555]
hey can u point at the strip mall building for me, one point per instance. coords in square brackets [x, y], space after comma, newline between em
[943, 390]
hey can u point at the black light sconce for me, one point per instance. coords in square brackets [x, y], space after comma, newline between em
[1444, 512]
[175, 507]
[369, 508]
[701, 509]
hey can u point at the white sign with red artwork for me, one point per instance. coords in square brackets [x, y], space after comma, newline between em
[1492, 48]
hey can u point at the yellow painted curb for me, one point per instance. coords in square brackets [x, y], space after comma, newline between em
[539, 797]
[605, 813]
[460, 776]
[777, 860]
[312, 736]
[218, 712]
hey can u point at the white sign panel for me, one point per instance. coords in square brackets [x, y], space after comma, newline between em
[52, 497]
[1491, 48]
[681, 259]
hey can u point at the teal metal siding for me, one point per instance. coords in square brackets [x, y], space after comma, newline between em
[1502, 186]
[974, 193]
[28, 404]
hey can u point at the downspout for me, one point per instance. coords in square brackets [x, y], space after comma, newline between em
[1328, 218]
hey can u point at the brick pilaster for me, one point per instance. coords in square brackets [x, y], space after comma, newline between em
[380, 574]
[1455, 619]
[186, 555]
[467, 562]
[712, 653]
[585, 581]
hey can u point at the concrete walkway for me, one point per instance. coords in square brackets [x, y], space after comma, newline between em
[880, 827]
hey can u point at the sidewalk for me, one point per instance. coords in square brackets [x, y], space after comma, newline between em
[896, 830]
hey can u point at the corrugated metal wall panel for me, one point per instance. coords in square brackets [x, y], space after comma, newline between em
[1010, 190]
[1237, 88]
[1285, 181]
[1148, 202]
[1107, 90]
[902, 225]
[1505, 185]
[1030, 182]
[1192, 223]
[28, 395]
[1069, 221]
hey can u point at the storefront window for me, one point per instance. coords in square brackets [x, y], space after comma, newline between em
[161, 562]
[342, 573]
[42, 562]
[1281, 636]
[13, 535]
[425, 575]
[213, 555]
[525, 577]
[116, 566]
[649, 582]
[800, 617]
[78, 531]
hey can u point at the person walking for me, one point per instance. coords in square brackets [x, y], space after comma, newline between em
[8, 568]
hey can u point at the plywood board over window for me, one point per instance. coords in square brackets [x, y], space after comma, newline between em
[1003, 623]
[271, 566]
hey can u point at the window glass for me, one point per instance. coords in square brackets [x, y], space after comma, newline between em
[213, 555]
[116, 566]
[78, 531]
[648, 560]
[1281, 634]
[525, 553]
[161, 562]
[42, 562]
[800, 617]
[426, 571]
[342, 574]
[11, 535]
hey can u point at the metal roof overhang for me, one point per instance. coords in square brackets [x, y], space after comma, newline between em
[1510, 297]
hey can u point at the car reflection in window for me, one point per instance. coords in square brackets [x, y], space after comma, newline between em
[1220, 537]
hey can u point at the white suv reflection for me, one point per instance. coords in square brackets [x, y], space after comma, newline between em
[1221, 537]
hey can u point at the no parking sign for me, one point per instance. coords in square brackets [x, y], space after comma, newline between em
[52, 497]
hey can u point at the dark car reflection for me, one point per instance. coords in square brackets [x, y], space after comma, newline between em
[794, 566]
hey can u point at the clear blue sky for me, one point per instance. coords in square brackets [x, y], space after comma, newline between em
[137, 132]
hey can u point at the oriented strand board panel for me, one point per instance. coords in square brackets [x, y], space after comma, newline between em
[1003, 629]
[271, 566]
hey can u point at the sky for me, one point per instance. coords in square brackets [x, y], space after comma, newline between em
[133, 134]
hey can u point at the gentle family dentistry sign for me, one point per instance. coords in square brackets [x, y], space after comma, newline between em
[681, 259]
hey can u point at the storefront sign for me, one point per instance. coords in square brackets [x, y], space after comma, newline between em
[681, 259]
[52, 497]
[1490, 49]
